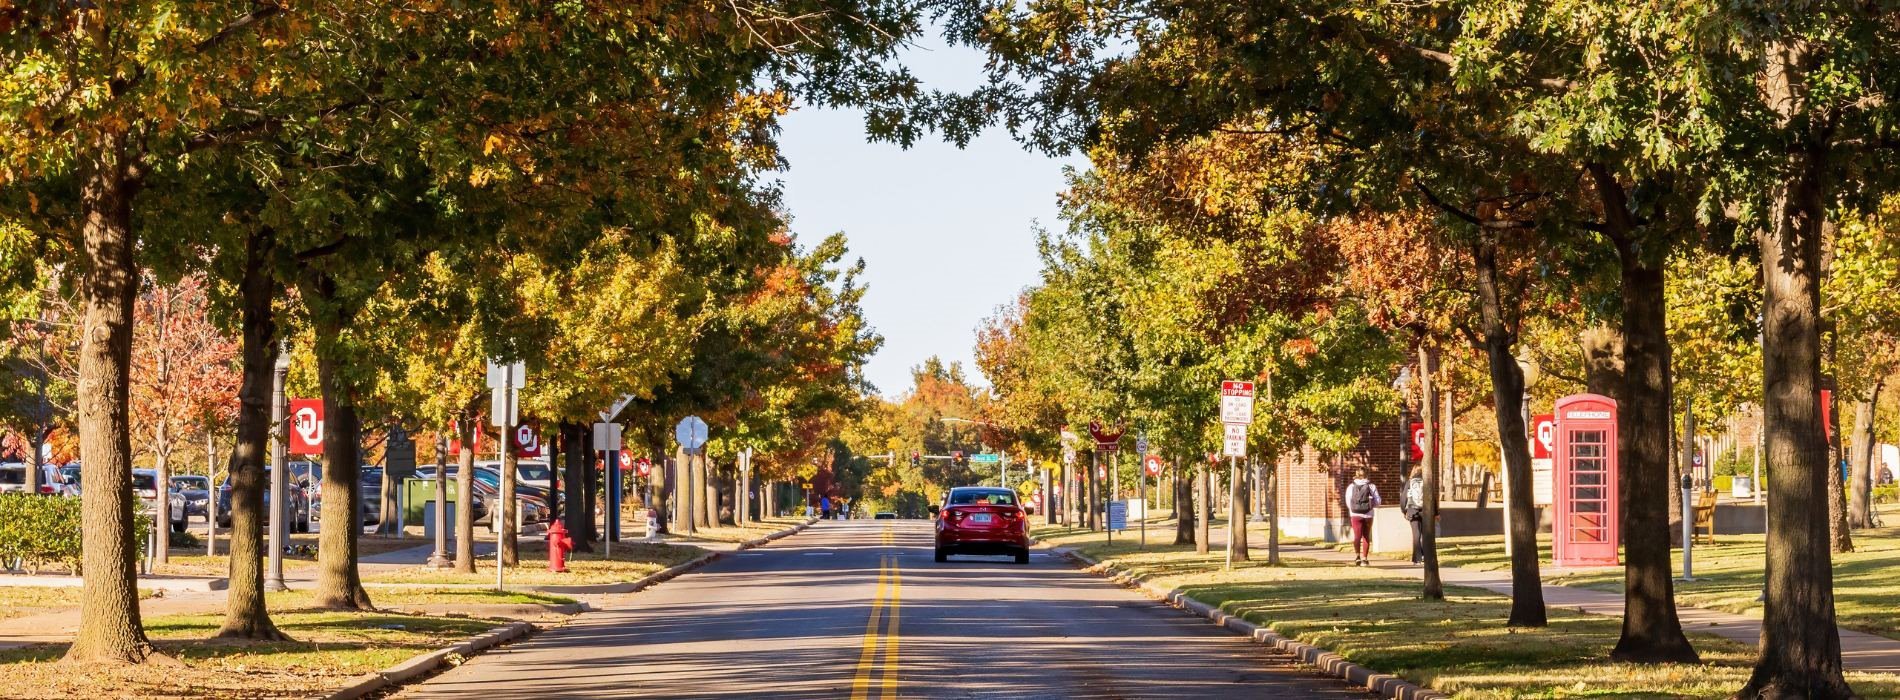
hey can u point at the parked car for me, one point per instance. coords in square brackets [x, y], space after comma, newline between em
[145, 487]
[70, 475]
[369, 499]
[299, 506]
[12, 477]
[981, 520]
[532, 501]
[196, 490]
[885, 515]
[528, 472]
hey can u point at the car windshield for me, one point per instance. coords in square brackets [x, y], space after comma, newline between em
[533, 472]
[979, 498]
[143, 482]
[12, 475]
[189, 482]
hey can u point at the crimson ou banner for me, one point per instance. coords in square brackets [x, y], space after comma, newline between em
[528, 441]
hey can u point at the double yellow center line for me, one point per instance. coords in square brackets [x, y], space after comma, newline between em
[881, 632]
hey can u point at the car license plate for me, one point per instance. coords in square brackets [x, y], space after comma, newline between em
[980, 518]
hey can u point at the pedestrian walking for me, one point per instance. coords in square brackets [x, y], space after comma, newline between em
[1412, 504]
[1361, 499]
[824, 507]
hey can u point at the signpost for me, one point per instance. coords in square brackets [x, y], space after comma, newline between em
[505, 411]
[1236, 414]
[607, 440]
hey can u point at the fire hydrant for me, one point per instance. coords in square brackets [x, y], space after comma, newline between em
[559, 544]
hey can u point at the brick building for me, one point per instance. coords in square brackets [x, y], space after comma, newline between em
[1311, 483]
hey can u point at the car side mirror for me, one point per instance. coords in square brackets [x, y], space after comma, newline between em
[933, 511]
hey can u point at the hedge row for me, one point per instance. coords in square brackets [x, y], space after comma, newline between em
[37, 531]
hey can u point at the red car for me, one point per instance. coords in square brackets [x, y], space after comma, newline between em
[982, 520]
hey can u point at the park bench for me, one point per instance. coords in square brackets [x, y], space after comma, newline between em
[1705, 516]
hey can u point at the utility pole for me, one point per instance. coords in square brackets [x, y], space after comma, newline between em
[279, 472]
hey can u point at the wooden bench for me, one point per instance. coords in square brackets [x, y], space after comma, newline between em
[1705, 516]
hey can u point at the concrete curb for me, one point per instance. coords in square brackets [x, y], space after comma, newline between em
[422, 664]
[1384, 684]
[781, 534]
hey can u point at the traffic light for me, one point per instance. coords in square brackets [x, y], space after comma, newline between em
[956, 458]
[916, 459]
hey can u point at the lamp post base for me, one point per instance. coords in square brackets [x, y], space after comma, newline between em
[438, 561]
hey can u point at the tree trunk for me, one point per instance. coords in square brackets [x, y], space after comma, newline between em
[1839, 534]
[1184, 524]
[1800, 650]
[1273, 510]
[339, 584]
[162, 503]
[465, 493]
[109, 626]
[575, 481]
[245, 616]
[507, 546]
[1507, 382]
[1428, 516]
[1860, 507]
[1203, 507]
[1652, 633]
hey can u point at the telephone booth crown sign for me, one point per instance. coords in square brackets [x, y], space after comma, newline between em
[1585, 522]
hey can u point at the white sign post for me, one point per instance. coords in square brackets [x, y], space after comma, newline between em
[505, 412]
[607, 441]
[1236, 414]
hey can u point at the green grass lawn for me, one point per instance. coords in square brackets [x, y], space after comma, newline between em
[1728, 573]
[21, 601]
[631, 561]
[1459, 646]
[328, 649]
[406, 596]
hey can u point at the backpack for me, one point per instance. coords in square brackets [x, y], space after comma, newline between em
[1414, 498]
[1361, 502]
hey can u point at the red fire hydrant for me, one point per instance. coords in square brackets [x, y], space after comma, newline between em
[559, 544]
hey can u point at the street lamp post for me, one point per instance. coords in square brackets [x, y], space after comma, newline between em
[280, 471]
[439, 559]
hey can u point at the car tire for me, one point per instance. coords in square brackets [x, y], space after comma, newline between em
[942, 555]
[178, 527]
[1022, 556]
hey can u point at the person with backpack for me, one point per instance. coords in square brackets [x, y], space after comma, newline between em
[1412, 504]
[1361, 499]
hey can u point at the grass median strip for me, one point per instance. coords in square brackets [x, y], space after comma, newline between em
[1458, 646]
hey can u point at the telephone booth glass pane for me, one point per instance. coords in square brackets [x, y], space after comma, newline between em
[1588, 482]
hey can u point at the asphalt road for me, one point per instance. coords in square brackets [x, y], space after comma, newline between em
[858, 609]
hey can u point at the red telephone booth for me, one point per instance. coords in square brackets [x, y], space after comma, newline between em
[1584, 529]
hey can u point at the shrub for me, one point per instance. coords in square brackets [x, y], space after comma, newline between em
[36, 531]
[1888, 493]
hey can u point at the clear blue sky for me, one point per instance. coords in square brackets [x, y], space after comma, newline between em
[947, 235]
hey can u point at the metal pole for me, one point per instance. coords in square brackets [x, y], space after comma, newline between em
[1688, 527]
[613, 500]
[440, 558]
[1142, 477]
[506, 443]
[1233, 472]
[279, 475]
[211, 497]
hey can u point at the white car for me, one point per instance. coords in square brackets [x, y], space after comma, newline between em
[12, 477]
[532, 472]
